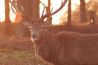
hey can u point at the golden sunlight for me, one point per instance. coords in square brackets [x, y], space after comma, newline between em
[2, 10]
[55, 4]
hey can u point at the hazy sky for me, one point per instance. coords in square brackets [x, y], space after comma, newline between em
[2, 10]
[55, 4]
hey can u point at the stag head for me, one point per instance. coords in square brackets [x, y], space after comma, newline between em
[40, 24]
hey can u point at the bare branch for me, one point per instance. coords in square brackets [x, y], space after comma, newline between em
[50, 14]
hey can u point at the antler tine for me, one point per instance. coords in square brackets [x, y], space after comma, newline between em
[43, 12]
[51, 9]
[50, 14]
[13, 6]
[43, 9]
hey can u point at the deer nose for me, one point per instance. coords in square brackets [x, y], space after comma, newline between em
[35, 36]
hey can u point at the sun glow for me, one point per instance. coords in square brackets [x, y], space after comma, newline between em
[54, 4]
[2, 10]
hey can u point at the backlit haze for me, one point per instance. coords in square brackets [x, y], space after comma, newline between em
[54, 4]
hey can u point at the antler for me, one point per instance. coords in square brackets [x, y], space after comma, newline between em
[13, 4]
[50, 14]
[44, 8]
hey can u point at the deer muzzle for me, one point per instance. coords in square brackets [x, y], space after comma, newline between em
[35, 36]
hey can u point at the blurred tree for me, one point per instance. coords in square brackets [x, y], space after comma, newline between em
[30, 8]
[69, 15]
[26, 7]
[48, 11]
[36, 9]
[8, 24]
[83, 17]
[92, 11]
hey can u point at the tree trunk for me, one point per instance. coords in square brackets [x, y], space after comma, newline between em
[48, 11]
[27, 5]
[8, 24]
[83, 16]
[69, 15]
[36, 10]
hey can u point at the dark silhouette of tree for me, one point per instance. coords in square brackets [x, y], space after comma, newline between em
[48, 11]
[28, 8]
[36, 9]
[92, 8]
[83, 16]
[25, 7]
[8, 24]
[69, 15]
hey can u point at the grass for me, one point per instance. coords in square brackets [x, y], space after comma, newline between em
[17, 58]
[18, 52]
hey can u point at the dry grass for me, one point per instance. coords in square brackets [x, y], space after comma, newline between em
[17, 51]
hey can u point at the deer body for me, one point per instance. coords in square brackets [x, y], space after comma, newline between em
[63, 48]
[68, 48]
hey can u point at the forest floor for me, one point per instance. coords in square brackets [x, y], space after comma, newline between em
[18, 51]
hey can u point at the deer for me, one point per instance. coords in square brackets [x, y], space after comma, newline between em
[64, 47]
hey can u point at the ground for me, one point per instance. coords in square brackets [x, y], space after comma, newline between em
[17, 51]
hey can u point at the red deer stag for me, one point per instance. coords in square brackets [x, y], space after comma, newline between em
[64, 48]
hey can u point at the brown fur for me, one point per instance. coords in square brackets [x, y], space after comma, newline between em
[68, 48]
